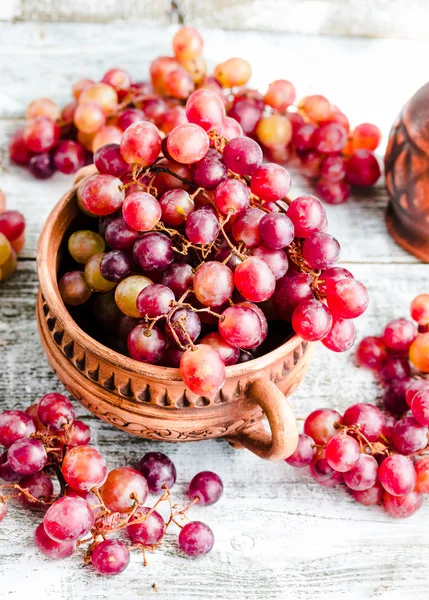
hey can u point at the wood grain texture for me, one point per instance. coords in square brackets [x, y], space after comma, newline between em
[370, 18]
[278, 535]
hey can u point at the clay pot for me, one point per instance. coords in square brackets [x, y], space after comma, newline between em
[407, 176]
[152, 401]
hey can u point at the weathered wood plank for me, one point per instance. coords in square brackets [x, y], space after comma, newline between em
[277, 532]
[332, 17]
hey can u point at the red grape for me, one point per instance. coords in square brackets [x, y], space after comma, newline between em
[270, 182]
[241, 326]
[362, 168]
[39, 486]
[231, 196]
[276, 230]
[176, 206]
[311, 320]
[146, 345]
[141, 211]
[213, 283]
[341, 336]
[123, 489]
[324, 474]
[363, 475]
[371, 352]
[187, 144]
[153, 251]
[347, 298]
[290, 291]
[187, 319]
[56, 411]
[202, 370]
[342, 452]
[367, 417]
[150, 531]
[403, 506]
[254, 279]
[307, 215]
[397, 475]
[141, 143]
[27, 456]
[196, 539]
[321, 250]
[202, 227]
[101, 195]
[320, 425]
[15, 425]
[228, 353]
[205, 108]
[154, 300]
[304, 453]
[399, 334]
[246, 227]
[84, 468]
[242, 155]
[109, 161]
[409, 436]
[207, 487]
[110, 557]
[51, 548]
[41, 134]
[371, 496]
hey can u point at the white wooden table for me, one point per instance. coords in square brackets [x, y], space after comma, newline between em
[278, 534]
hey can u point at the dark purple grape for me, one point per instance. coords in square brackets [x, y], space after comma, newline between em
[116, 265]
[158, 470]
[154, 252]
[42, 166]
[207, 487]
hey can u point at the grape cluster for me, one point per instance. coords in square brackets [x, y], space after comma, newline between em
[12, 238]
[313, 129]
[400, 356]
[379, 456]
[195, 238]
[46, 442]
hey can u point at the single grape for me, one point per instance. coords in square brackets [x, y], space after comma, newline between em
[231, 197]
[83, 244]
[80, 86]
[123, 488]
[148, 532]
[276, 230]
[41, 134]
[205, 108]
[363, 475]
[94, 277]
[202, 370]
[317, 107]
[153, 109]
[311, 320]
[368, 418]
[280, 94]
[395, 367]
[399, 334]
[188, 143]
[18, 151]
[419, 309]
[307, 215]
[207, 487]
[403, 506]
[242, 155]
[341, 336]
[362, 168]
[213, 283]
[89, 117]
[202, 227]
[304, 453]
[101, 195]
[141, 143]
[69, 156]
[141, 211]
[159, 69]
[110, 557]
[274, 130]
[276, 259]
[229, 128]
[6, 473]
[84, 468]
[116, 266]
[128, 117]
[409, 436]
[347, 298]
[119, 235]
[290, 291]
[228, 353]
[321, 251]
[183, 319]
[155, 300]
[15, 425]
[270, 182]
[397, 475]
[394, 396]
[119, 79]
[333, 192]
[176, 206]
[158, 470]
[38, 485]
[320, 425]
[422, 473]
[108, 134]
[42, 166]
[413, 388]
[179, 83]
[342, 452]
[330, 139]
[371, 496]
[146, 345]
[102, 94]
[153, 251]
[27, 456]
[234, 72]
[178, 277]
[241, 326]
[51, 548]
[173, 117]
[196, 539]
[367, 136]
[246, 113]
[323, 474]
[371, 352]
[419, 352]
[254, 279]
[246, 227]
[43, 107]
[333, 169]
[79, 434]
[303, 137]
[56, 411]
[187, 43]
[109, 161]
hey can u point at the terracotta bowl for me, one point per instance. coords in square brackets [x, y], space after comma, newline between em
[152, 401]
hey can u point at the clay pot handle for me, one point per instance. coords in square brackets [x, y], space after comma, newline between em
[283, 439]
